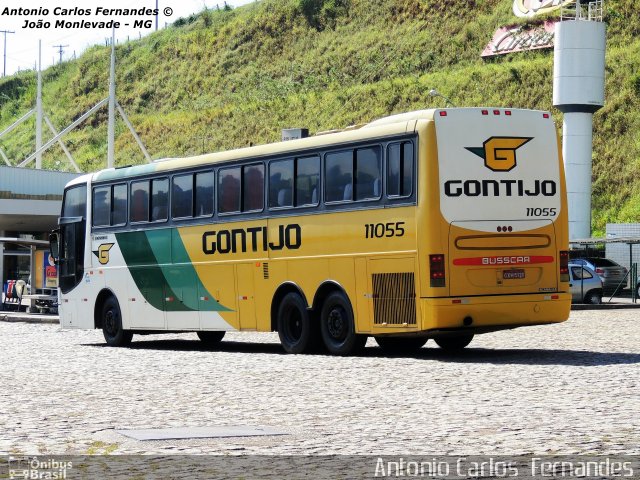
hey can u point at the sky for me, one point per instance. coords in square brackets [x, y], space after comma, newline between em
[22, 46]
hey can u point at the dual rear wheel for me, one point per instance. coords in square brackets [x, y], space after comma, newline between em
[299, 332]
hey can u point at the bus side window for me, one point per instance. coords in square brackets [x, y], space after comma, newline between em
[139, 203]
[253, 188]
[119, 204]
[101, 206]
[229, 190]
[307, 180]
[159, 199]
[281, 183]
[400, 169]
[339, 176]
[204, 194]
[182, 196]
[368, 173]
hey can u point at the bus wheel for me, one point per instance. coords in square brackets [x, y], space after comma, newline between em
[400, 345]
[294, 324]
[211, 339]
[452, 344]
[337, 326]
[114, 334]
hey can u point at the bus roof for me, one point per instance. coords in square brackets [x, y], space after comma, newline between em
[383, 127]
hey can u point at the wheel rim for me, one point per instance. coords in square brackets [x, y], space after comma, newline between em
[293, 327]
[337, 324]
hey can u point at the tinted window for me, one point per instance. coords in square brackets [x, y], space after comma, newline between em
[339, 176]
[367, 181]
[182, 196]
[580, 273]
[204, 194]
[253, 188]
[307, 180]
[400, 169]
[604, 262]
[75, 202]
[281, 183]
[229, 190]
[119, 204]
[139, 204]
[159, 199]
[101, 206]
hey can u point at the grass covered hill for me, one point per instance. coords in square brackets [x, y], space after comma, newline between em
[226, 78]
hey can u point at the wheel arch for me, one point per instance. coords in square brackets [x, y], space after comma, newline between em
[325, 289]
[102, 297]
[281, 291]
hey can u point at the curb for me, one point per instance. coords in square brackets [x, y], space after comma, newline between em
[24, 318]
[606, 306]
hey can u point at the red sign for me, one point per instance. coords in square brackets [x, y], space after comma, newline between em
[504, 260]
[518, 38]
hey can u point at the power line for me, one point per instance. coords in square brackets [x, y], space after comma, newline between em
[60, 50]
[4, 72]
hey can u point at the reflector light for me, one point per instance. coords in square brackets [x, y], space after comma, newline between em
[507, 112]
[456, 301]
[436, 270]
[496, 112]
[545, 115]
[564, 266]
[555, 297]
[443, 114]
[485, 112]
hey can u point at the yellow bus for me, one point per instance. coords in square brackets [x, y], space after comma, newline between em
[436, 224]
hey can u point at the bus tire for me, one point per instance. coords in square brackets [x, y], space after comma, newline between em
[454, 343]
[211, 339]
[114, 334]
[337, 326]
[295, 328]
[401, 345]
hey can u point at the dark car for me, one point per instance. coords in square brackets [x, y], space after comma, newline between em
[612, 274]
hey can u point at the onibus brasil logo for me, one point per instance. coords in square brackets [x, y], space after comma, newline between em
[499, 153]
[103, 253]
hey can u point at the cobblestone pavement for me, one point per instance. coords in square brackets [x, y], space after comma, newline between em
[567, 389]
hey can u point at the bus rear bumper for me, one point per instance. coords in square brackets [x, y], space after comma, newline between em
[494, 313]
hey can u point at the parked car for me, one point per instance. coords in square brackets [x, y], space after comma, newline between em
[586, 285]
[612, 274]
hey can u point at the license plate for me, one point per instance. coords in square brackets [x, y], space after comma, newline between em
[512, 274]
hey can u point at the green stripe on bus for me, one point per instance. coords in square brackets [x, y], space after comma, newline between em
[165, 285]
[126, 172]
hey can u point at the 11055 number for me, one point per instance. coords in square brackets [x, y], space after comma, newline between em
[380, 230]
[541, 212]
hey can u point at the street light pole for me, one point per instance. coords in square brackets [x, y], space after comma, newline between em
[434, 93]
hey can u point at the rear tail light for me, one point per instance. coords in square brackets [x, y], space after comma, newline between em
[599, 271]
[436, 270]
[564, 266]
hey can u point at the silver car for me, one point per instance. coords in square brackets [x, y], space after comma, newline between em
[612, 274]
[586, 285]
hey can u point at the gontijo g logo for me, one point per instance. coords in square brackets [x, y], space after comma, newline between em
[499, 153]
[103, 253]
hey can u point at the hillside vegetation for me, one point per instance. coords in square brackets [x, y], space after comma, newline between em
[228, 78]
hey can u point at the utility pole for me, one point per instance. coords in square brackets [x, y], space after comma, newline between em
[60, 50]
[39, 109]
[111, 125]
[4, 72]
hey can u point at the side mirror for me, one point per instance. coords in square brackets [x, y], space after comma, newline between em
[54, 246]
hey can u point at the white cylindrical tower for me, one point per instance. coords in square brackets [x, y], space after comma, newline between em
[578, 92]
